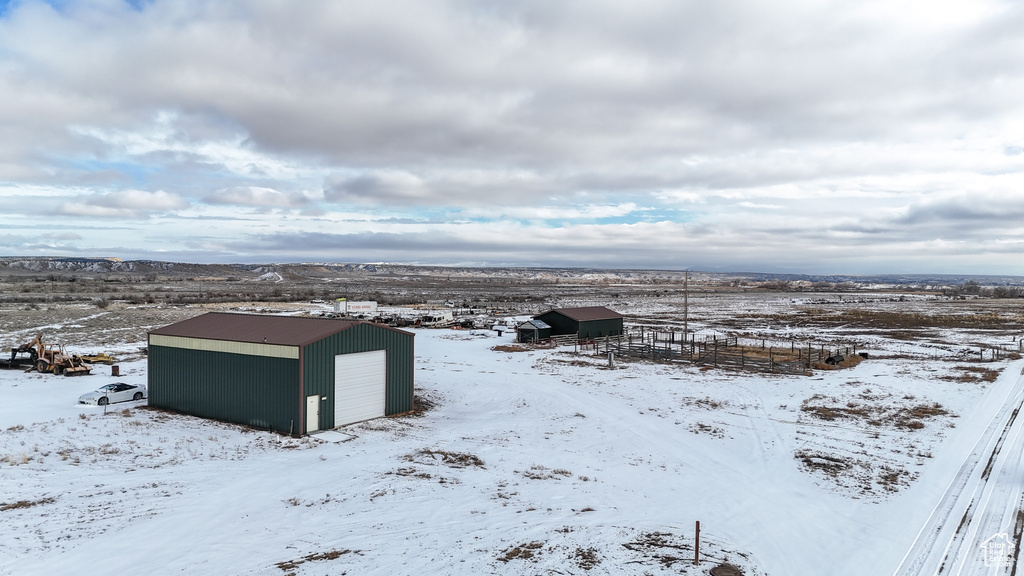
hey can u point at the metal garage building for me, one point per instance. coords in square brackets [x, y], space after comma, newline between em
[586, 322]
[290, 374]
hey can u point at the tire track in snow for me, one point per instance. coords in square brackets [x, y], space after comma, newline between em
[982, 500]
[998, 506]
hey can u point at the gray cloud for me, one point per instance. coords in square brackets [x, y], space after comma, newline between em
[530, 85]
[255, 196]
[122, 204]
[62, 236]
[968, 209]
[845, 125]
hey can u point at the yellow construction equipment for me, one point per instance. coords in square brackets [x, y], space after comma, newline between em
[54, 359]
[100, 358]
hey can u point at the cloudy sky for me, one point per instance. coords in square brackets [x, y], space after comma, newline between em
[813, 136]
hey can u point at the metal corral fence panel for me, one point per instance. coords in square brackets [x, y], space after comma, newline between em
[725, 351]
[565, 340]
[318, 363]
[256, 391]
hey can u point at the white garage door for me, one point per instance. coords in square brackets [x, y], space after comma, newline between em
[359, 384]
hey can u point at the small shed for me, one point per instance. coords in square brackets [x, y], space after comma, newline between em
[532, 331]
[586, 322]
[289, 374]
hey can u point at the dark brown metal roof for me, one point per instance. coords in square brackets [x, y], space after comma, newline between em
[257, 328]
[587, 313]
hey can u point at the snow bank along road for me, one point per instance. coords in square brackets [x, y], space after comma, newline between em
[976, 526]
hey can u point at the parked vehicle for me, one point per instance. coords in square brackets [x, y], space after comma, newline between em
[112, 393]
[53, 358]
[442, 319]
[24, 355]
[56, 360]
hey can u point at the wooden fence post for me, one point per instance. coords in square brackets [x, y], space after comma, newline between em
[696, 545]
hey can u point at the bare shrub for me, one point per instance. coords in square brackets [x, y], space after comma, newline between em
[664, 547]
[510, 348]
[421, 405]
[525, 551]
[827, 463]
[291, 565]
[26, 503]
[451, 459]
[972, 374]
[586, 558]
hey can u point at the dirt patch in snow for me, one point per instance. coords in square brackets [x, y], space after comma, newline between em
[289, 566]
[881, 444]
[874, 410]
[446, 457]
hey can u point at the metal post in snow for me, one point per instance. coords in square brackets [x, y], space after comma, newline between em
[696, 545]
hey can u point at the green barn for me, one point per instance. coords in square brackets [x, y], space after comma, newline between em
[586, 322]
[532, 331]
[290, 374]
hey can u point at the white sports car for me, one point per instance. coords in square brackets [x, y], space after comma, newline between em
[114, 393]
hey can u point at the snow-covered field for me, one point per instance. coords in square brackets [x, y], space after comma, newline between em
[534, 462]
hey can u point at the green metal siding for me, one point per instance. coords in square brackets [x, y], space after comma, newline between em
[256, 391]
[318, 366]
[561, 324]
[600, 328]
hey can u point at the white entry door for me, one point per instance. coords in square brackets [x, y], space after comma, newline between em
[312, 413]
[360, 380]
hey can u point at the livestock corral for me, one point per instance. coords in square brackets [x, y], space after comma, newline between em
[549, 457]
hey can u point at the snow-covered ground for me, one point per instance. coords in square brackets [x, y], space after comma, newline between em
[537, 462]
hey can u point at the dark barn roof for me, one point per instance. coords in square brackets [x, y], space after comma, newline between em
[257, 328]
[588, 313]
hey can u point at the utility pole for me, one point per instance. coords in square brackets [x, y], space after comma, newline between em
[686, 304]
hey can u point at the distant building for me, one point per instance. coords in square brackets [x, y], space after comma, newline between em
[349, 308]
[587, 322]
[533, 331]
